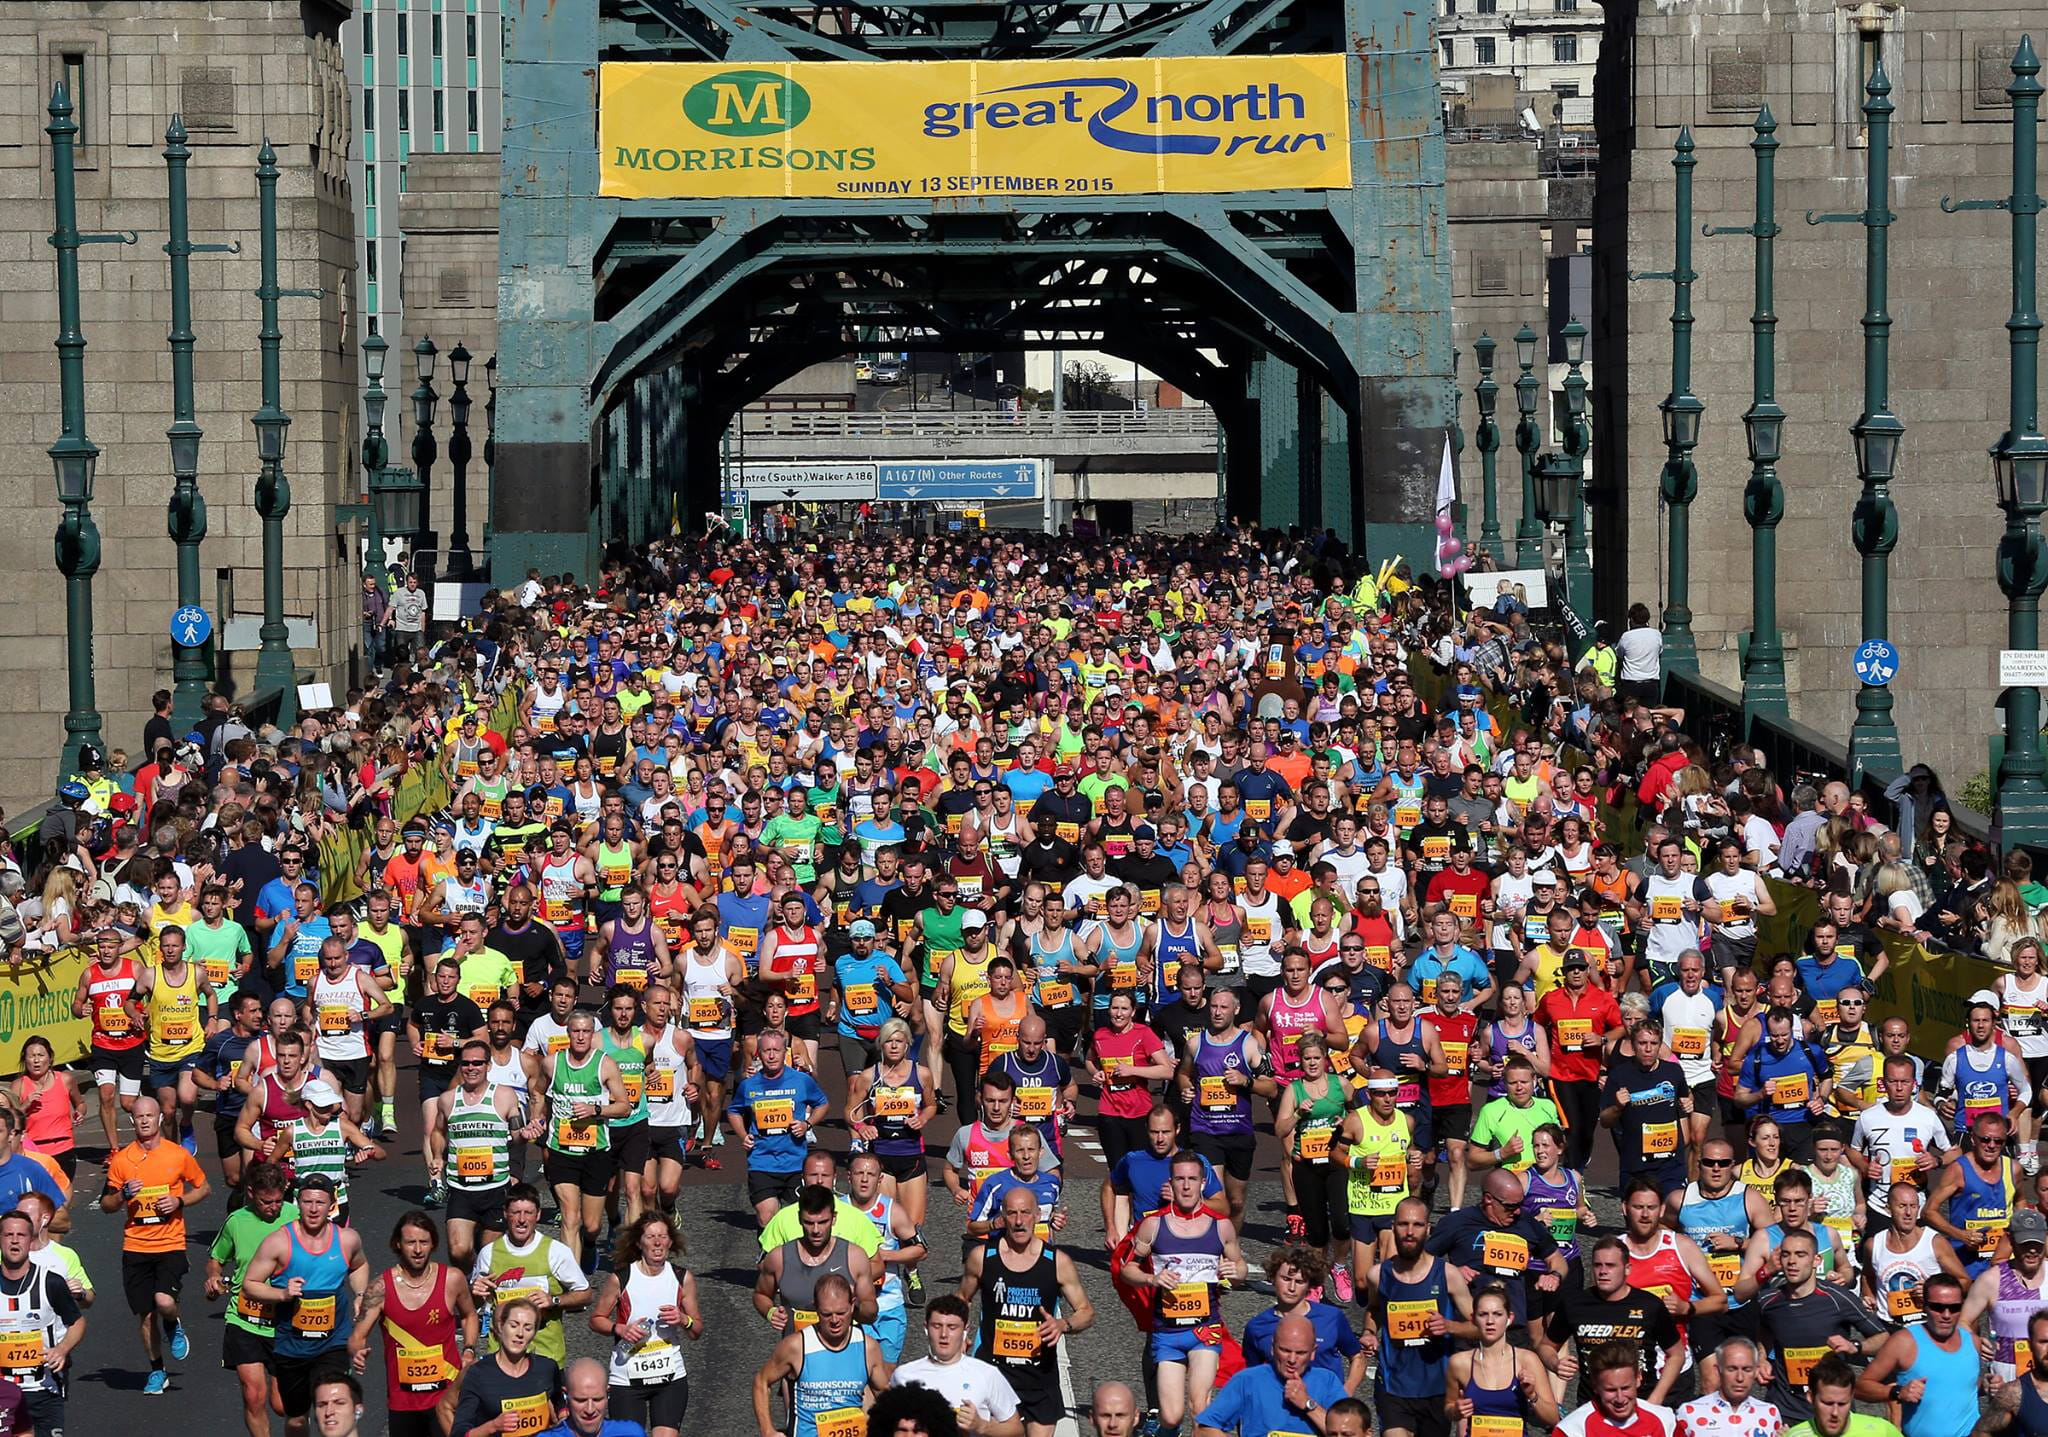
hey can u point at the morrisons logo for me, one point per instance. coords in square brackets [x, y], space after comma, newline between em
[741, 103]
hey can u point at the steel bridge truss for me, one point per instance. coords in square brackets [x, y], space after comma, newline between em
[1316, 323]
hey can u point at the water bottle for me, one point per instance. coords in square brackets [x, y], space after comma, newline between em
[483, 1322]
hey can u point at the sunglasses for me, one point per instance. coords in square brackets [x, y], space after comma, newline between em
[1944, 1307]
[473, 1063]
[1717, 1162]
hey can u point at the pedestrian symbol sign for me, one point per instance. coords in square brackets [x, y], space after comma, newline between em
[1876, 662]
[190, 626]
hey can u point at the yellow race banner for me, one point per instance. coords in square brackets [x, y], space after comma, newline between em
[35, 997]
[962, 128]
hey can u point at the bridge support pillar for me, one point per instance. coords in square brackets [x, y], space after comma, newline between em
[544, 489]
[1335, 445]
[1276, 399]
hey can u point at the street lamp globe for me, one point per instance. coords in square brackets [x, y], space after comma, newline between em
[1877, 446]
[1766, 430]
[75, 461]
[458, 363]
[1682, 414]
[1525, 347]
[2021, 473]
[423, 408]
[458, 405]
[374, 350]
[373, 408]
[423, 359]
[1552, 496]
[184, 439]
[1574, 336]
[271, 424]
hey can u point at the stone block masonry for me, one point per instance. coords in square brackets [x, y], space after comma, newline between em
[238, 70]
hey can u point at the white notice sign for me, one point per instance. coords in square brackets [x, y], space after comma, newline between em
[2023, 668]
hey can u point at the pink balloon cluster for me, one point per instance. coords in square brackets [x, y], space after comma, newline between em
[1451, 558]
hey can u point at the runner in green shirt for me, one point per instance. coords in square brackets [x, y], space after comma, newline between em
[1832, 1389]
[217, 945]
[245, 1339]
[1502, 1131]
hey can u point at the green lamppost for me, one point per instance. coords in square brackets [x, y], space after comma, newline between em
[1578, 557]
[459, 561]
[1488, 440]
[1528, 439]
[1681, 410]
[376, 452]
[424, 450]
[2019, 464]
[490, 442]
[186, 515]
[273, 490]
[1763, 498]
[73, 456]
[1874, 526]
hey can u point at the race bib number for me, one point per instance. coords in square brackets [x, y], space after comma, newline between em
[1216, 1093]
[634, 978]
[1455, 1056]
[1258, 810]
[473, 1163]
[1726, 1267]
[706, 1013]
[529, 1414]
[861, 999]
[335, 1018]
[251, 1310]
[1185, 1302]
[1507, 1253]
[1666, 909]
[1314, 1144]
[180, 1028]
[1563, 1222]
[421, 1369]
[1575, 1032]
[633, 1083]
[774, 1115]
[1799, 1363]
[1491, 1426]
[572, 1136]
[1790, 1091]
[142, 1210]
[1407, 815]
[1826, 1011]
[1381, 956]
[1123, 977]
[1016, 1339]
[1056, 995]
[804, 988]
[661, 1085]
[314, 1316]
[21, 1351]
[1408, 1322]
[1660, 1140]
[842, 1422]
[1390, 1175]
[1903, 1302]
[217, 971]
[1437, 847]
[744, 941]
[657, 1361]
[304, 966]
[1689, 1042]
[1034, 1104]
[1258, 930]
[114, 1022]
[894, 1102]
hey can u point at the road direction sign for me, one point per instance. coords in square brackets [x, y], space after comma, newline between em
[957, 479]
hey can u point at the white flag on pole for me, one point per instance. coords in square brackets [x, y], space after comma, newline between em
[1447, 482]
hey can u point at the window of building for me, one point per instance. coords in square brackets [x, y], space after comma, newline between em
[437, 37]
[440, 112]
[370, 262]
[1485, 7]
[73, 63]
[401, 179]
[1565, 91]
[369, 111]
[1449, 54]
[369, 32]
[1564, 49]
[469, 34]
[370, 185]
[405, 112]
[1483, 50]
[469, 100]
[404, 33]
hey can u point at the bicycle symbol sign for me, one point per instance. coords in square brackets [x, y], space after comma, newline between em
[1876, 662]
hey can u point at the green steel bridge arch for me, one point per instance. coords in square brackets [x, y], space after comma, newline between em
[1316, 322]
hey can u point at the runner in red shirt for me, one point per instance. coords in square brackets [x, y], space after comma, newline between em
[1581, 1021]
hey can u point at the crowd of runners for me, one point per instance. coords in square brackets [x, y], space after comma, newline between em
[758, 859]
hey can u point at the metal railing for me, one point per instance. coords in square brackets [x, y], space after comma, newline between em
[1024, 424]
[1792, 752]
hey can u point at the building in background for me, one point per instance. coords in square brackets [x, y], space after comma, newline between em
[424, 76]
[1501, 57]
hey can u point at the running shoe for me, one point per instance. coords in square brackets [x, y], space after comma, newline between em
[1342, 1277]
[181, 1345]
[159, 1382]
[1297, 1225]
[718, 1136]
[190, 1143]
[914, 1289]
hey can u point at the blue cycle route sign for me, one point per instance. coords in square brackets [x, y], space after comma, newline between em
[1876, 662]
[190, 626]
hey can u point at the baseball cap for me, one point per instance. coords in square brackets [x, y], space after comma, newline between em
[1145, 833]
[318, 1182]
[1543, 878]
[861, 929]
[1988, 998]
[972, 919]
[319, 1094]
[1575, 958]
[2027, 1225]
[1282, 848]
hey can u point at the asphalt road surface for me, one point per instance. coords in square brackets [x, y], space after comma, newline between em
[718, 1226]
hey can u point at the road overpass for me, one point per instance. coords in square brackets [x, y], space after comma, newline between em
[1098, 455]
